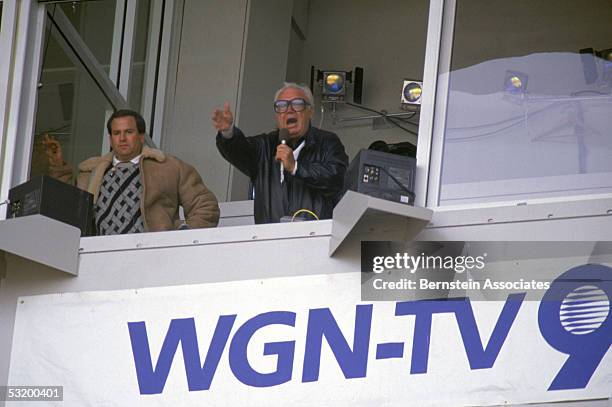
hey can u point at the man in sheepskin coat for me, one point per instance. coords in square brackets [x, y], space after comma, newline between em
[137, 188]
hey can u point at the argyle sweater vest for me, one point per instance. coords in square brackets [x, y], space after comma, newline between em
[117, 210]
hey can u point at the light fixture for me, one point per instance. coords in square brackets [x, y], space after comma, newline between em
[334, 83]
[515, 83]
[411, 94]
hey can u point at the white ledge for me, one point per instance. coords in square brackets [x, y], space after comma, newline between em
[42, 240]
[197, 237]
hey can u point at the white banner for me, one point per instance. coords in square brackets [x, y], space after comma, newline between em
[300, 341]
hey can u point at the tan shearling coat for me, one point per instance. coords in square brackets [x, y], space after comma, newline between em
[167, 183]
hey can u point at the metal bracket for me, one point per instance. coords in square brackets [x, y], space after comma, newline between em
[361, 217]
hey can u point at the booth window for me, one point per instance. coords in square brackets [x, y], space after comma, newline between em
[528, 101]
[71, 107]
[72, 103]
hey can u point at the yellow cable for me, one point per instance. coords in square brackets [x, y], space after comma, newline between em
[304, 210]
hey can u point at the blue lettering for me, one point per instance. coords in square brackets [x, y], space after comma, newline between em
[284, 350]
[479, 357]
[321, 323]
[585, 349]
[152, 381]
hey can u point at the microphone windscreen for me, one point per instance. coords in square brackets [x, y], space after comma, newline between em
[283, 136]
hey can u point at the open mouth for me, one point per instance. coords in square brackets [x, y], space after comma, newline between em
[291, 120]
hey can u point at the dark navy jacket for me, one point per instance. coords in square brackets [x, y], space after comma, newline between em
[316, 185]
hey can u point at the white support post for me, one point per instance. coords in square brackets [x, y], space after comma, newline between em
[115, 60]
[150, 76]
[7, 35]
[441, 102]
[117, 36]
[122, 53]
[426, 121]
[14, 45]
[29, 96]
[162, 73]
[167, 115]
[127, 48]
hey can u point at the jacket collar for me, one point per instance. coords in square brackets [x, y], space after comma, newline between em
[97, 167]
[107, 159]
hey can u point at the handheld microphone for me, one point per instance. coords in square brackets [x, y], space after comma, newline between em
[283, 136]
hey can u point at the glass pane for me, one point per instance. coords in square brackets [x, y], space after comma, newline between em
[528, 114]
[387, 40]
[71, 108]
[94, 21]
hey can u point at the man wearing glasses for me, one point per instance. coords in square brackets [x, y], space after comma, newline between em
[300, 172]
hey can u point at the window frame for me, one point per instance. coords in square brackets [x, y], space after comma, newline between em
[440, 38]
[21, 44]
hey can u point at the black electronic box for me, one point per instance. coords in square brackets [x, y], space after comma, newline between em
[382, 175]
[55, 199]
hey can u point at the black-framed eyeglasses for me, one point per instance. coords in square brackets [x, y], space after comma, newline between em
[297, 104]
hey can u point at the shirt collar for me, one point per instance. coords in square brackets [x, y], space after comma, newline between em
[134, 160]
[302, 139]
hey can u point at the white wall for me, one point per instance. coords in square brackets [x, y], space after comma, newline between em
[229, 51]
[208, 74]
[263, 72]
[299, 29]
[386, 38]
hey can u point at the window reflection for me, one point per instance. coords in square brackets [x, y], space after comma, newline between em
[525, 117]
[71, 108]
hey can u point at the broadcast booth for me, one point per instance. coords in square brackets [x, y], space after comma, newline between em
[468, 263]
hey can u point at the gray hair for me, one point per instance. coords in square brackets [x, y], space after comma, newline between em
[305, 89]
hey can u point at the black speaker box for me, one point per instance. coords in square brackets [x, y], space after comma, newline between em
[55, 199]
[382, 175]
